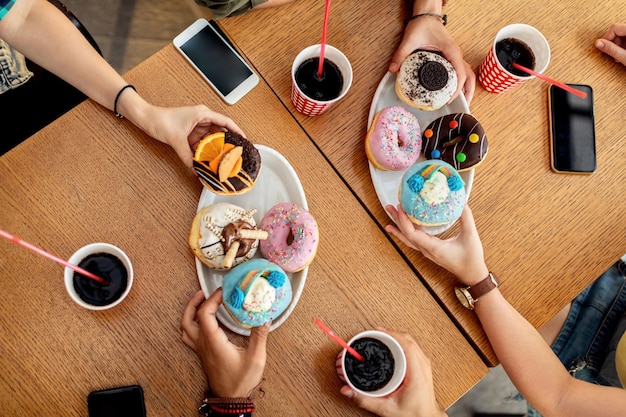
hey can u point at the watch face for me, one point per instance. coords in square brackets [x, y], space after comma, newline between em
[464, 297]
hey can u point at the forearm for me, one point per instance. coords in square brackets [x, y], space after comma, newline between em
[427, 6]
[534, 368]
[42, 33]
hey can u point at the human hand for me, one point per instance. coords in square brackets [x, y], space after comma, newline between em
[232, 371]
[462, 254]
[429, 33]
[414, 397]
[613, 42]
[183, 127]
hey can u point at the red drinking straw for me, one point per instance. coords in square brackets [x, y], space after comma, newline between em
[50, 256]
[565, 87]
[320, 66]
[339, 340]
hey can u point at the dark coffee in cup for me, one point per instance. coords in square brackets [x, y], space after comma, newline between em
[324, 88]
[377, 369]
[512, 50]
[106, 266]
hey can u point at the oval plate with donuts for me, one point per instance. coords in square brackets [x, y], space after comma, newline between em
[277, 183]
[386, 183]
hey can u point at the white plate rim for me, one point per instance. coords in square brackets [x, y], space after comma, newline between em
[378, 176]
[269, 157]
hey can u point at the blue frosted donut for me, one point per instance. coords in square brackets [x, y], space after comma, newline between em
[432, 193]
[256, 292]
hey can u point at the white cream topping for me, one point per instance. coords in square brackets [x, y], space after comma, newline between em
[260, 296]
[435, 190]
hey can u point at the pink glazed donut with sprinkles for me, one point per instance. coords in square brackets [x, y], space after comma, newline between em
[292, 237]
[394, 140]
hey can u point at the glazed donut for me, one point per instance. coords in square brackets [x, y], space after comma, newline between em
[292, 236]
[256, 292]
[227, 163]
[432, 193]
[426, 80]
[458, 139]
[394, 140]
[223, 235]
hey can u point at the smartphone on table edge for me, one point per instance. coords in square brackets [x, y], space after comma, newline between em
[572, 130]
[117, 402]
[212, 55]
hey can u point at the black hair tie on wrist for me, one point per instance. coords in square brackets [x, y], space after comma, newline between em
[443, 17]
[117, 97]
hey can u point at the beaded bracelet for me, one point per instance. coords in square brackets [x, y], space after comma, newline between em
[226, 406]
[117, 97]
[443, 17]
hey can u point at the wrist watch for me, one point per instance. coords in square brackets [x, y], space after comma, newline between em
[469, 295]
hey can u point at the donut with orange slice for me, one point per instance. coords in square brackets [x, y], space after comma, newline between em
[227, 163]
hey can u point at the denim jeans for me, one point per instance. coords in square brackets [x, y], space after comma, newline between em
[593, 328]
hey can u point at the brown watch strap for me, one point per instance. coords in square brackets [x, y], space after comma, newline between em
[484, 286]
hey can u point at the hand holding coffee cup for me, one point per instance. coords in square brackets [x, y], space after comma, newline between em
[383, 369]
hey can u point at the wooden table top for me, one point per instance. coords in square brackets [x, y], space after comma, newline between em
[90, 177]
[546, 235]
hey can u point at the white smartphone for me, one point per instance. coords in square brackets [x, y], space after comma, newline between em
[216, 60]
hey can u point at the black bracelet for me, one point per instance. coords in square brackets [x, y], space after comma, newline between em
[443, 17]
[117, 97]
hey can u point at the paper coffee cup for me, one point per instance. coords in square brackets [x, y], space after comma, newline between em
[95, 249]
[494, 77]
[310, 106]
[399, 366]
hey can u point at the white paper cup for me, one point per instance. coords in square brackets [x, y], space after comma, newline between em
[91, 249]
[307, 105]
[399, 363]
[494, 77]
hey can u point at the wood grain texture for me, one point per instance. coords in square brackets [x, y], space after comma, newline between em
[91, 177]
[546, 235]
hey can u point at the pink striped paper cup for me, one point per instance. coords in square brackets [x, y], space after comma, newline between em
[494, 77]
[307, 105]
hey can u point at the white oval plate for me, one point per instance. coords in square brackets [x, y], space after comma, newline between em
[277, 183]
[386, 183]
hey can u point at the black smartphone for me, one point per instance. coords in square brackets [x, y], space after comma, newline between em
[572, 130]
[216, 60]
[117, 402]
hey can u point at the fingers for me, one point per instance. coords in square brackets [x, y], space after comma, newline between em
[184, 153]
[468, 225]
[398, 57]
[371, 404]
[615, 31]
[257, 346]
[611, 49]
[189, 326]
[207, 312]
[470, 84]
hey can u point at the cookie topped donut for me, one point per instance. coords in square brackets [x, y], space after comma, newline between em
[426, 80]
[458, 139]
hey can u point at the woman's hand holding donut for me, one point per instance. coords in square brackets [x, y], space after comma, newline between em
[462, 255]
[613, 42]
[428, 33]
